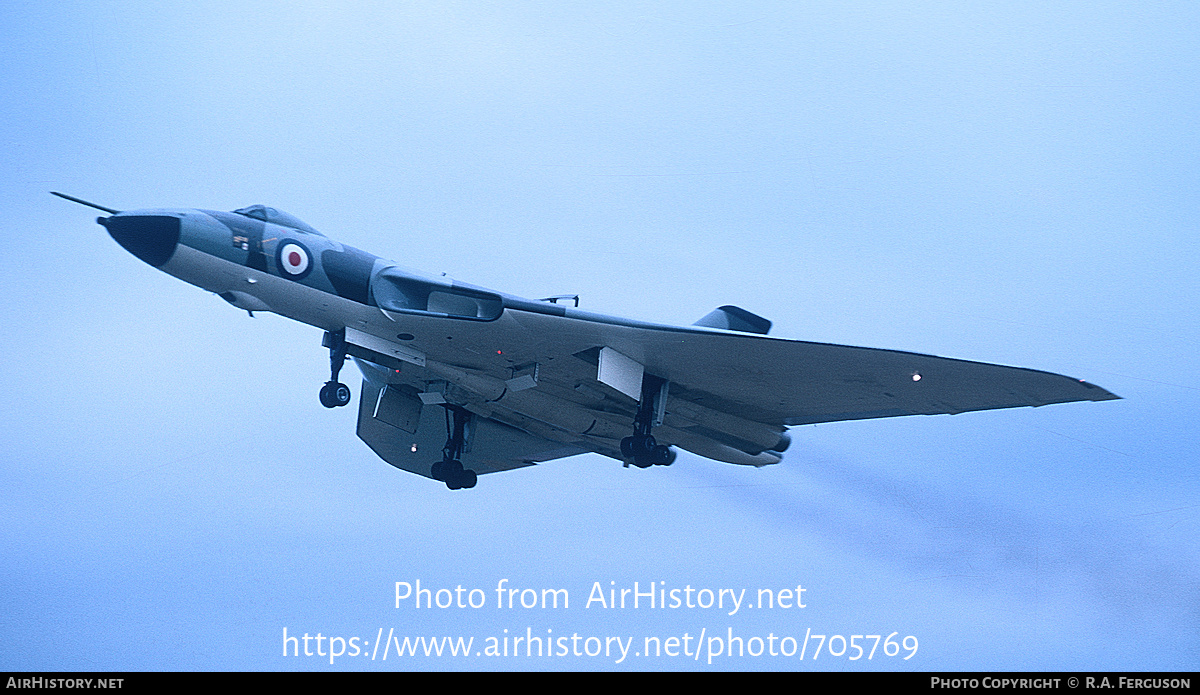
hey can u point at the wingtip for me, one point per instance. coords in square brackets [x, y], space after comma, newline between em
[1099, 393]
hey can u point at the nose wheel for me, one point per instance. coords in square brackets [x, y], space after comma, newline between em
[335, 394]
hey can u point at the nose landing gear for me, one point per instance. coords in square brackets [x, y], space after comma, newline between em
[335, 394]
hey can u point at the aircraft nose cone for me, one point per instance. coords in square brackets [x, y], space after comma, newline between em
[152, 238]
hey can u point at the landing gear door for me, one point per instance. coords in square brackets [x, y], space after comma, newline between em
[398, 408]
[412, 451]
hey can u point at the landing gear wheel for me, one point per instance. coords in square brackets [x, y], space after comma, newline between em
[444, 471]
[462, 479]
[642, 450]
[452, 474]
[334, 394]
[638, 446]
[662, 456]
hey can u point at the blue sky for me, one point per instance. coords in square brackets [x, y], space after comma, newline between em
[1010, 183]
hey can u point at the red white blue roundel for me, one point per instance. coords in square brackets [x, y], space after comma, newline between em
[293, 259]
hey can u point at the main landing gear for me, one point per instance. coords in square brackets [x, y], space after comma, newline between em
[450, 469]
[335, 394]
[641, 449]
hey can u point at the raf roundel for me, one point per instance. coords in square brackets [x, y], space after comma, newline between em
[293, 259]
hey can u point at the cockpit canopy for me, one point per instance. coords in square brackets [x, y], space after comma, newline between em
[266, 214]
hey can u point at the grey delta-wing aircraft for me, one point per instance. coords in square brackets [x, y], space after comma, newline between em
[460, 380]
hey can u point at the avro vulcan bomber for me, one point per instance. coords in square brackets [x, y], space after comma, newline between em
[460, 380]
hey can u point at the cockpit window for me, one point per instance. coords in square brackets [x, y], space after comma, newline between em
[266, 214]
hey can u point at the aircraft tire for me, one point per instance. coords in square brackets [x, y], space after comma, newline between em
[328, 398]
[341, 394]
[661, 455]
[638, 446]
[453, 474]
[438, 471]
